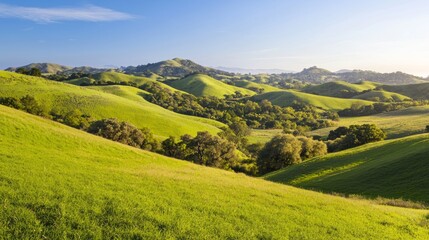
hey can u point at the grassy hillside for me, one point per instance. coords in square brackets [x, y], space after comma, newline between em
[339, 88]
[286, 98]
[249, 85]
[382, 96]
[396, 124]
[393, 169]
[116, 77]
[64, 97]
[414, 91]
[203, 85]
[75, 185]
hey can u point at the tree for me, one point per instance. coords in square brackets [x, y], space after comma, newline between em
[123, 132]
[354, 135]
[427, 128]
[311, 148]
[280, 151]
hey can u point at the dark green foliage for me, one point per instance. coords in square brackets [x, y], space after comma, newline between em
[281, 151]
[125, 133]
[32, 71]
[358, 110]
[286, 149]
[354, 135]
[204, 149]
[27, 103]
[311, 148]
[427, 128]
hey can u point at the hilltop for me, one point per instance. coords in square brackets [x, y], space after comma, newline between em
[176, 68]
[203, 85]
[75, 185]
[47, 68]
[53, 68]
[63, 98]
[393, 168]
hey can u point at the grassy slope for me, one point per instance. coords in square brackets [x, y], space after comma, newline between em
[203, 85]
[66, 97]
[58, 182]
[396, 124]
[334, 89]
[286, 98]
[117, 78]
[414, 91]
[382, 95]
[262, 135]
[249, 84]
[394, 169]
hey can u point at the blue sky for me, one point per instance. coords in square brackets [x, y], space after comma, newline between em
[382, 35]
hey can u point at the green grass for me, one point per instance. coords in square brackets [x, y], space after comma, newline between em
[131, 108]
[393, 169]
[57, 182]
[396, 124]
[249, 84]
[118, 78]
[203, 85]
[337, 88]
[382, 96]
[262, 135]
[286, 98]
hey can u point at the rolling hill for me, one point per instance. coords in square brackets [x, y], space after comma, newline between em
[175, 68]
[203, 85]
[320, 75]
[63, 97]
[339, 88]
[75, 185]
[414, 91]
[47, 68]
[396, 124]
[117, 78]
[392, 168]
[253, 85]
[382, 96]
[287, 97]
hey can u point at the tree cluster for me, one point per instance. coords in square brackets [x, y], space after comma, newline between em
[32, 71]
[366, 110]
[286, 149]
[353, 136]
[125, 133]
[262, 115]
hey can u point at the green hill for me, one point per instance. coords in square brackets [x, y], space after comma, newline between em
[393, 169]
[339, 88]
[382, 96]
[173, 68]
[396, 124]
[57, 182]
[203, 85]
[63, 97]
[49, 68]
[253, 85]
[414, 91]
[117, 78]
[287, 97]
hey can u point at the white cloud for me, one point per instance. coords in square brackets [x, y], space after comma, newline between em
[48, 15]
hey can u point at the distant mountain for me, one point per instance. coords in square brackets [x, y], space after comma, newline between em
[52, 68]
[176, 67]
[252, 71]
[319, 75]
[48, 68]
